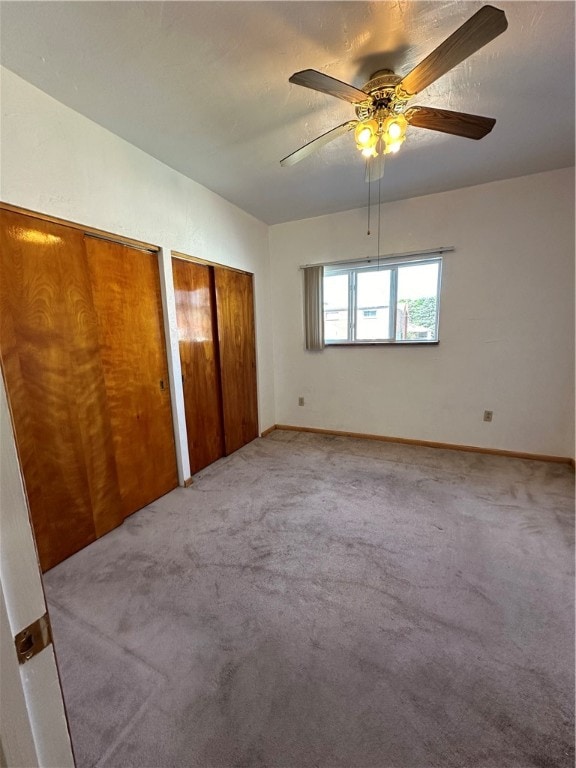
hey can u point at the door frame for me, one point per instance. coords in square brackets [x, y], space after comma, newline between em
[34, 729]
[216, 265]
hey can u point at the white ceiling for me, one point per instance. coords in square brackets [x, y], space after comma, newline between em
[203, 86]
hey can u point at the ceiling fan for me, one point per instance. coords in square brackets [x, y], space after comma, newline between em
[381, 105]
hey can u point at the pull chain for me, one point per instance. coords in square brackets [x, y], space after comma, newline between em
[379, 215]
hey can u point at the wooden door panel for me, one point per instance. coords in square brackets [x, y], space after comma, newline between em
[55, 384]
[195, 314]
[235, 313]
[126, 293]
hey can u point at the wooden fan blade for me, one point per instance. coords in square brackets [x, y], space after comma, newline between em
[484, 26]
[310, 78]
[317, 143]
[456, 123]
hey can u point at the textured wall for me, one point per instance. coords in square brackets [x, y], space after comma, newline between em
[506, 321]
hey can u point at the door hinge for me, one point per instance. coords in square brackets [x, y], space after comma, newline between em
[33, 639]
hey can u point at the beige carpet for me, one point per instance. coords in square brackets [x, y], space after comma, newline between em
[316, 601]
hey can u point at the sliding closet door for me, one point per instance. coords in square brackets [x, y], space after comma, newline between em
[235, 313]
[126, 293]
[55, 383]
[195, 313]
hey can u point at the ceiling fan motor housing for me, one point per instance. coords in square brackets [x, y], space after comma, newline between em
[382, 96]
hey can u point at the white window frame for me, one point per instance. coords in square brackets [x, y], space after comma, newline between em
[353, 269]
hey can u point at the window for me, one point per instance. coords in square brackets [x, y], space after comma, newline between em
[386, 303]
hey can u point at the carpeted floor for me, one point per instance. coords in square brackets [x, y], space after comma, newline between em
[316, 601]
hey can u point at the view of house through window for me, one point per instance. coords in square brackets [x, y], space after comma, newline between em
[388, 303]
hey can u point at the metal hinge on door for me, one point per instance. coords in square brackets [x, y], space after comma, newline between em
[33, 639]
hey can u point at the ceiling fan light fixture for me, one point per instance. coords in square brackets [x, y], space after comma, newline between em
[380, 105]
[394, 133]
[393, 146]
[394, 128]
[366, 134]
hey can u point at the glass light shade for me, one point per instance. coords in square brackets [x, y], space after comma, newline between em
[366, 134]
[395, 128]
[393, 146]
[394, 131]
[369, 152]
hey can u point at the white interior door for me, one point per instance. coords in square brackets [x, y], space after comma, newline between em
[33, 727]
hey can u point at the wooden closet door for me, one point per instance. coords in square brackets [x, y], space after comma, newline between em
[235, 313]
[195, 314]
[126, 292]
[55, 383]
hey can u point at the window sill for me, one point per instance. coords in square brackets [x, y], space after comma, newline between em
[328, 345]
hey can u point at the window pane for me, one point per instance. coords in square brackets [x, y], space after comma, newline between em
[373, 305]
[417, 307]
[336, 307]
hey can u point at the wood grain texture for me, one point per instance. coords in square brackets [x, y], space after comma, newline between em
[126, 292]
[81, 227]
[446, 121]
[55, 383]
[480, 29]
[198, 344]
[235, 313]
[318, 81]
[207, 262]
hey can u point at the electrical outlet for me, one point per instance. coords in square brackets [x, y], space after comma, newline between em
[300, 401]
[488, 415]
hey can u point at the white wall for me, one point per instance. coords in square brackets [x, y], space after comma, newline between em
[55, 161]
[506, 321]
